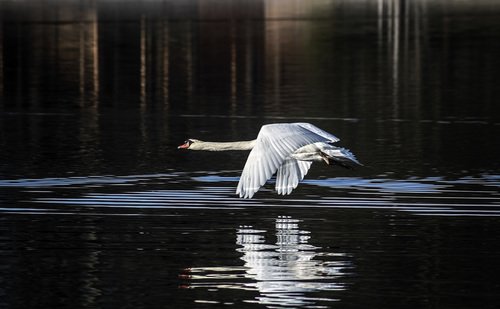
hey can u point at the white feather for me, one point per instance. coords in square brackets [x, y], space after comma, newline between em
[287, 149]
[273, 148]
[289, 174]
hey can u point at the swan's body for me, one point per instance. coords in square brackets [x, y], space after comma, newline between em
[287, 149]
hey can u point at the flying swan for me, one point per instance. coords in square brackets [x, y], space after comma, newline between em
[287, 149]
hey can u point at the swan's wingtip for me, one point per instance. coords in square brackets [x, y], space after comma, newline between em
[245, 195]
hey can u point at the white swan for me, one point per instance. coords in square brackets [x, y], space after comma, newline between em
[287, 149]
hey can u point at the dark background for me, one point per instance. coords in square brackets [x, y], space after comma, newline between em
[100, 208]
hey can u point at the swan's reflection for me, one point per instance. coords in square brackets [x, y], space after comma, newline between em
[286, 272]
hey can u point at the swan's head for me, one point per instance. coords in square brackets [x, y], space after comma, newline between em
[188, 143]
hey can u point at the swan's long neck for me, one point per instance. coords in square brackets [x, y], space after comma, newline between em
[222, 146]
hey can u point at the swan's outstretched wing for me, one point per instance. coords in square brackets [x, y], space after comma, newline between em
[329, 138]
[274, 144]
[290, 173]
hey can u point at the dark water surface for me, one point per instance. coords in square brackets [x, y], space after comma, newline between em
[99, 209]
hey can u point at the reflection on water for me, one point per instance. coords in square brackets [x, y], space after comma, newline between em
[337, 240]
[467, 196]
[257, 59]
[285, 274]
[99, 209]
[399, 82]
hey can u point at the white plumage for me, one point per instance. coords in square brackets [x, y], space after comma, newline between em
[287, 149]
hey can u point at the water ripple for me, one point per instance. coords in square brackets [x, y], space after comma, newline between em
[79, 181]
[466, 196]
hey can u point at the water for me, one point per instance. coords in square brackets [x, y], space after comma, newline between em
[98, 207]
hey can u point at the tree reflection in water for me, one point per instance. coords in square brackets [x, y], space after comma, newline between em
[288, 272]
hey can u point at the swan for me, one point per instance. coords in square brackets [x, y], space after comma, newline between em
[287, 149]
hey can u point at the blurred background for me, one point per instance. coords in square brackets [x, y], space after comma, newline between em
[412, 81]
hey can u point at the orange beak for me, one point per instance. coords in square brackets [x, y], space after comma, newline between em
[183, 146]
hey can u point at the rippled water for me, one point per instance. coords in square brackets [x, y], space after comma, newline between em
[99, 209]
[467, 196]
[348, 240]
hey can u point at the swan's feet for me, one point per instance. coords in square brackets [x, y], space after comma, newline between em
[325, 157]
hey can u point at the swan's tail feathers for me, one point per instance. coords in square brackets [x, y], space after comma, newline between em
[341, 157]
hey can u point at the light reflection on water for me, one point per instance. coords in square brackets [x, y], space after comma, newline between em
[286, 272]
[422, 196]
[278, 265]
